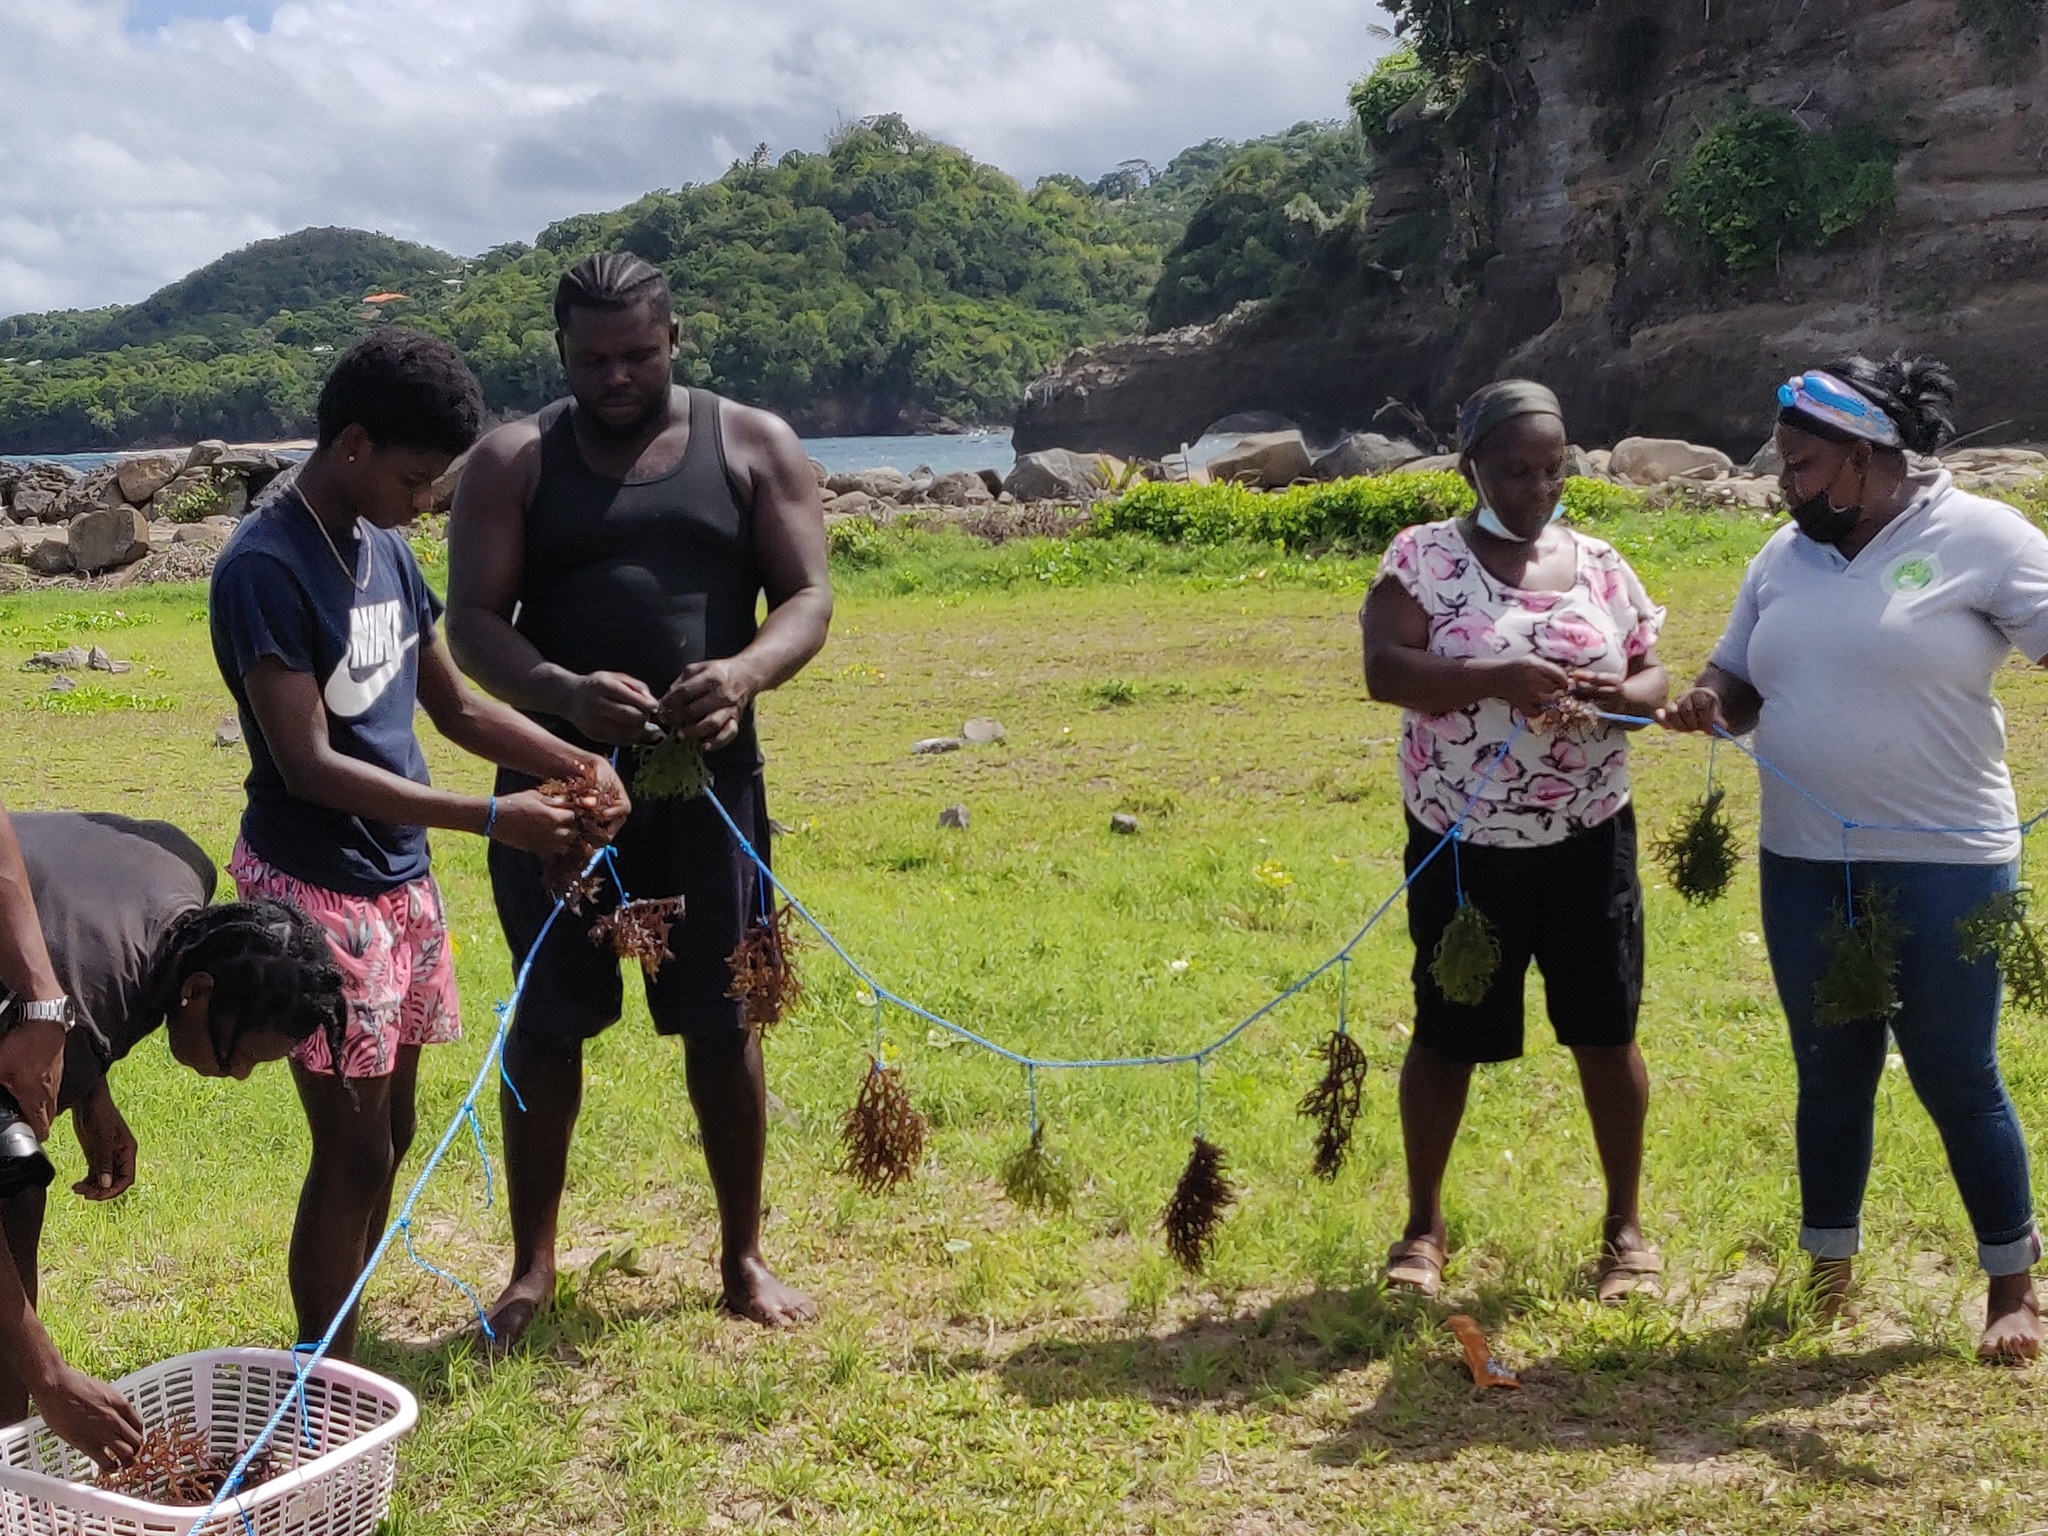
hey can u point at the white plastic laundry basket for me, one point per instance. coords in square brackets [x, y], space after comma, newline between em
[337, 1457]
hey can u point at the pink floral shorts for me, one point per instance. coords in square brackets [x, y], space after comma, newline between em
[396, 970]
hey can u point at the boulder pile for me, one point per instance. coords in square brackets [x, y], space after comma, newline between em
[1056, 476]
[57, 522]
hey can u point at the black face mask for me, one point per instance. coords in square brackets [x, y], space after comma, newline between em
[1823, 522]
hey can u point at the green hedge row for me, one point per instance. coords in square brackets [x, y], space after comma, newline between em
[1360, 514]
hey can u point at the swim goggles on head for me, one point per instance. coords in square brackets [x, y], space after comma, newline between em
[1829, 401]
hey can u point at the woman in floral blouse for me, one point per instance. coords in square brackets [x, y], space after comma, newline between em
[1479, 627]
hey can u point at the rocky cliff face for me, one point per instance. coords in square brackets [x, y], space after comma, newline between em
[1537, 246]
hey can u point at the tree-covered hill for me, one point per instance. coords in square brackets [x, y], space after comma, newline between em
[886, 283]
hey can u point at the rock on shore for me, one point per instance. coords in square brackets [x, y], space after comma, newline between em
[56, 521]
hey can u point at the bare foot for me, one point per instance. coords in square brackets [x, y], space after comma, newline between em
[519, 1304]
[753, 1292]
[1830, 1281]
[2012, 1322]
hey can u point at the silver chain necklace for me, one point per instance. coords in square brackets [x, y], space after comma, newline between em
[362, 583]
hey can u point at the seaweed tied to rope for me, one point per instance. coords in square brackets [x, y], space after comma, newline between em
[1197, 1208]
[1467, 956]
[764, 974]
[2000, 930]
[1036, 1177]
[1335, 1101]
[1571, 717]
[1700, 855]
[638, 930]
[1863, 958]
[671, 769]
[883, 1133]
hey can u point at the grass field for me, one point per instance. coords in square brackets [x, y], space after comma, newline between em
[980, 1368]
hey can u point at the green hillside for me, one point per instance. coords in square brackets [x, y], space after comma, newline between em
[881, 284]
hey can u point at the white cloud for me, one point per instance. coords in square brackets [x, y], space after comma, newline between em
[130, 156]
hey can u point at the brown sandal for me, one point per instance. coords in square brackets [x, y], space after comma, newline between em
[1626, 1272]
[1416, 1264]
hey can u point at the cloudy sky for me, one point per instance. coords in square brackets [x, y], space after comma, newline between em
[145, 137]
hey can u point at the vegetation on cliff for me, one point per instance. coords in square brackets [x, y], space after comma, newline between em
[1761, 184]
[1267, 209]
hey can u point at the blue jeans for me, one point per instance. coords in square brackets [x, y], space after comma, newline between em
[1946, 1029]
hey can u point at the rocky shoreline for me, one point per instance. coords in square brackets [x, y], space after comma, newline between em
[163, 516]
[155, 516]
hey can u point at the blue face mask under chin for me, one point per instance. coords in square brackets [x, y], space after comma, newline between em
[1489, 522]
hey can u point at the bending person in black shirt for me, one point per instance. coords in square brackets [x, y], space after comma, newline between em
[607, 559]
[134, 943]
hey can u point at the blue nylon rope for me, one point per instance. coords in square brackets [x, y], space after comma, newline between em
[400, 1224]
[1177, 1059]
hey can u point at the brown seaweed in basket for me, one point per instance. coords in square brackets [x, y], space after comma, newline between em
[638, 930]
[1197, 1207]
[764, 974]
[1335, 1101]
[175, 1466]
[883, 1133]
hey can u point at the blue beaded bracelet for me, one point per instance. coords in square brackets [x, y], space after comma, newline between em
[491, 820]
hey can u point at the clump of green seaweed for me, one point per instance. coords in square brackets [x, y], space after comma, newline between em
[671, 769]
[2000, 930]
[1860, 982]
[1036, 1177]
[1700, 856]
[1467, 956]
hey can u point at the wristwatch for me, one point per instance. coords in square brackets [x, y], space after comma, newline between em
[51, 1010]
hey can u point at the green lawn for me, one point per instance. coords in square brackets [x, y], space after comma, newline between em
[980, 1368]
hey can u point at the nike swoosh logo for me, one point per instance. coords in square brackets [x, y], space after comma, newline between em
[349, 696]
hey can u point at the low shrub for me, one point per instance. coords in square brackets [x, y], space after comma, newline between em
[1362, 513]
[194, 504]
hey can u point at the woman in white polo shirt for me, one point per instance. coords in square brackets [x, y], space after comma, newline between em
[1861, 651]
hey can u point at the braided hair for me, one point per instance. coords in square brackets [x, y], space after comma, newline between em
[271, 969]
[612, 280]
[1917, 393]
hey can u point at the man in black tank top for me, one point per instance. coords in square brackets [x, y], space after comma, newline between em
[606, 562]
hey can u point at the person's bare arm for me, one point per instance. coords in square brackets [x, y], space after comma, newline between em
[486, 564]
[31, 1050]
[293, 719]
[1716, 698]
[774, 477]
[1400, 668]
[499, 734]
[81, 1411]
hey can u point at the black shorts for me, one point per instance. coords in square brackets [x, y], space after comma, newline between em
[667, 848]
[1575, 908]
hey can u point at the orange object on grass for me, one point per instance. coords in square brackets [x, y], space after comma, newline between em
[1486, 1371]
[382, 298]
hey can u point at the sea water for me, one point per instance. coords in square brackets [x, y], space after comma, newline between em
[940, 454]
[840, 455]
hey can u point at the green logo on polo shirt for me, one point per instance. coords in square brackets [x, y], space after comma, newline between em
[1915, 573]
